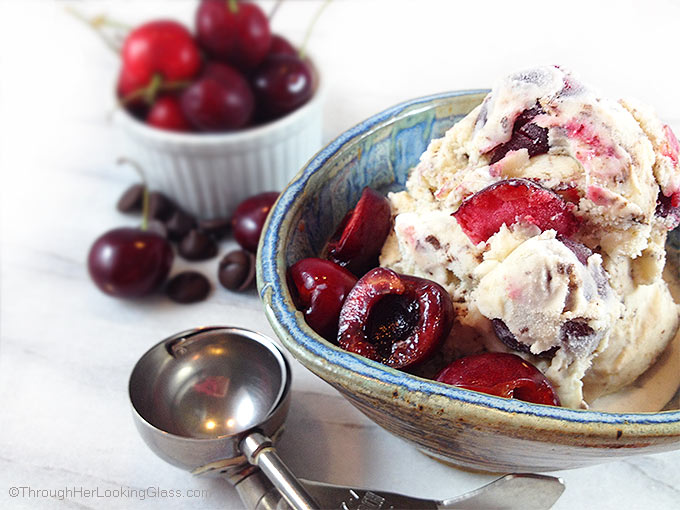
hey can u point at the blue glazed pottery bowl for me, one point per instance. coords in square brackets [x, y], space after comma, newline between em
[459, 426]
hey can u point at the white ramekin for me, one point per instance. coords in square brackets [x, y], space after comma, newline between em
[209, 174]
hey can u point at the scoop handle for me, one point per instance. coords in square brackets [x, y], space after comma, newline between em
[260, 452]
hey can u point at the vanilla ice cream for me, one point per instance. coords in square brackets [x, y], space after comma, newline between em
[588, 306]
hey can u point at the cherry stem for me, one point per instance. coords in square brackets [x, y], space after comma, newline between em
[96, 23]
[316, 17]
[145, 196]
[151, 90]
[274, 9]
[233, 5]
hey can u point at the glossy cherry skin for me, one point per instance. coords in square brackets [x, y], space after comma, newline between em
[249, 218]
[319, 288]
[282, 83]
[512, 201]
[395, 319]
[501, 374]
[235, 32]
[128, 262]
[161, 47]
[358, 240]
[220, 100]
[166, 113]
[281, 46]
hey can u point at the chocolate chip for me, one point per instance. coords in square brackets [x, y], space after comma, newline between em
[158, 227]
[237, 270]
[179, 225]
[216, 227]
[131, 200]
[188, 287]
[160, 206]
[197, 245]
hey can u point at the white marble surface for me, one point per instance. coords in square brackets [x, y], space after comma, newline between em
[66, 350]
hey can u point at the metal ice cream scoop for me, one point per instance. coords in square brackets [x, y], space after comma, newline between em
[209, 400]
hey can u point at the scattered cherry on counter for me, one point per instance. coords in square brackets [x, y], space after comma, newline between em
[249, 218]
[129, 262]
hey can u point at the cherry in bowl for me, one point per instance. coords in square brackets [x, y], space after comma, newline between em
[501, 374]
[396, 319]
[358, 240]
[319, 288]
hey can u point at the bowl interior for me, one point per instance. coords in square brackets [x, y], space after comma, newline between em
[381, 158]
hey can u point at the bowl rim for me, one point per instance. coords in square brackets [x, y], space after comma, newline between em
[290, 327]
[236, 137]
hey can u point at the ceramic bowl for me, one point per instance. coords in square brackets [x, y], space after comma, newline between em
[209, 174]
[462, 427]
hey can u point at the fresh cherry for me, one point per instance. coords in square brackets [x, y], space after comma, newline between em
[396, 319]
[281, 46]
[501, 374]
[249, 218]
[236, 32]
[514, 201]
[166, 113]
[358, 240]
[282, 83]
[129, 262]
[220, 100]
[319, 288]
[163, 49]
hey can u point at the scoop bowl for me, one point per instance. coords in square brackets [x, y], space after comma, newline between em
[459, 426]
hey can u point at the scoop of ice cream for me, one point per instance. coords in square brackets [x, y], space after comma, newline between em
[568, 301]
[543, 293]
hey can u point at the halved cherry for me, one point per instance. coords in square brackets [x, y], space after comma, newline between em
[514, 201]
[358, 240]
[396, 319]
[319, 288]
[501, 374]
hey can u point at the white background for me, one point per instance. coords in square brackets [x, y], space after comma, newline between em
[66, 350]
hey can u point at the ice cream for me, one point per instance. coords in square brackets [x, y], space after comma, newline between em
[544, 214]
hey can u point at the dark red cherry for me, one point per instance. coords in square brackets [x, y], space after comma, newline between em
[358, 240]
[515, 201]
[501, 374]
[282, 83]
[395, 319]
[319, 288]
[249, 218]
[128, 262]
[219, 100]
[525, 135]
[235, 32]
[163, 48]
[281, 46]
[166, 113]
